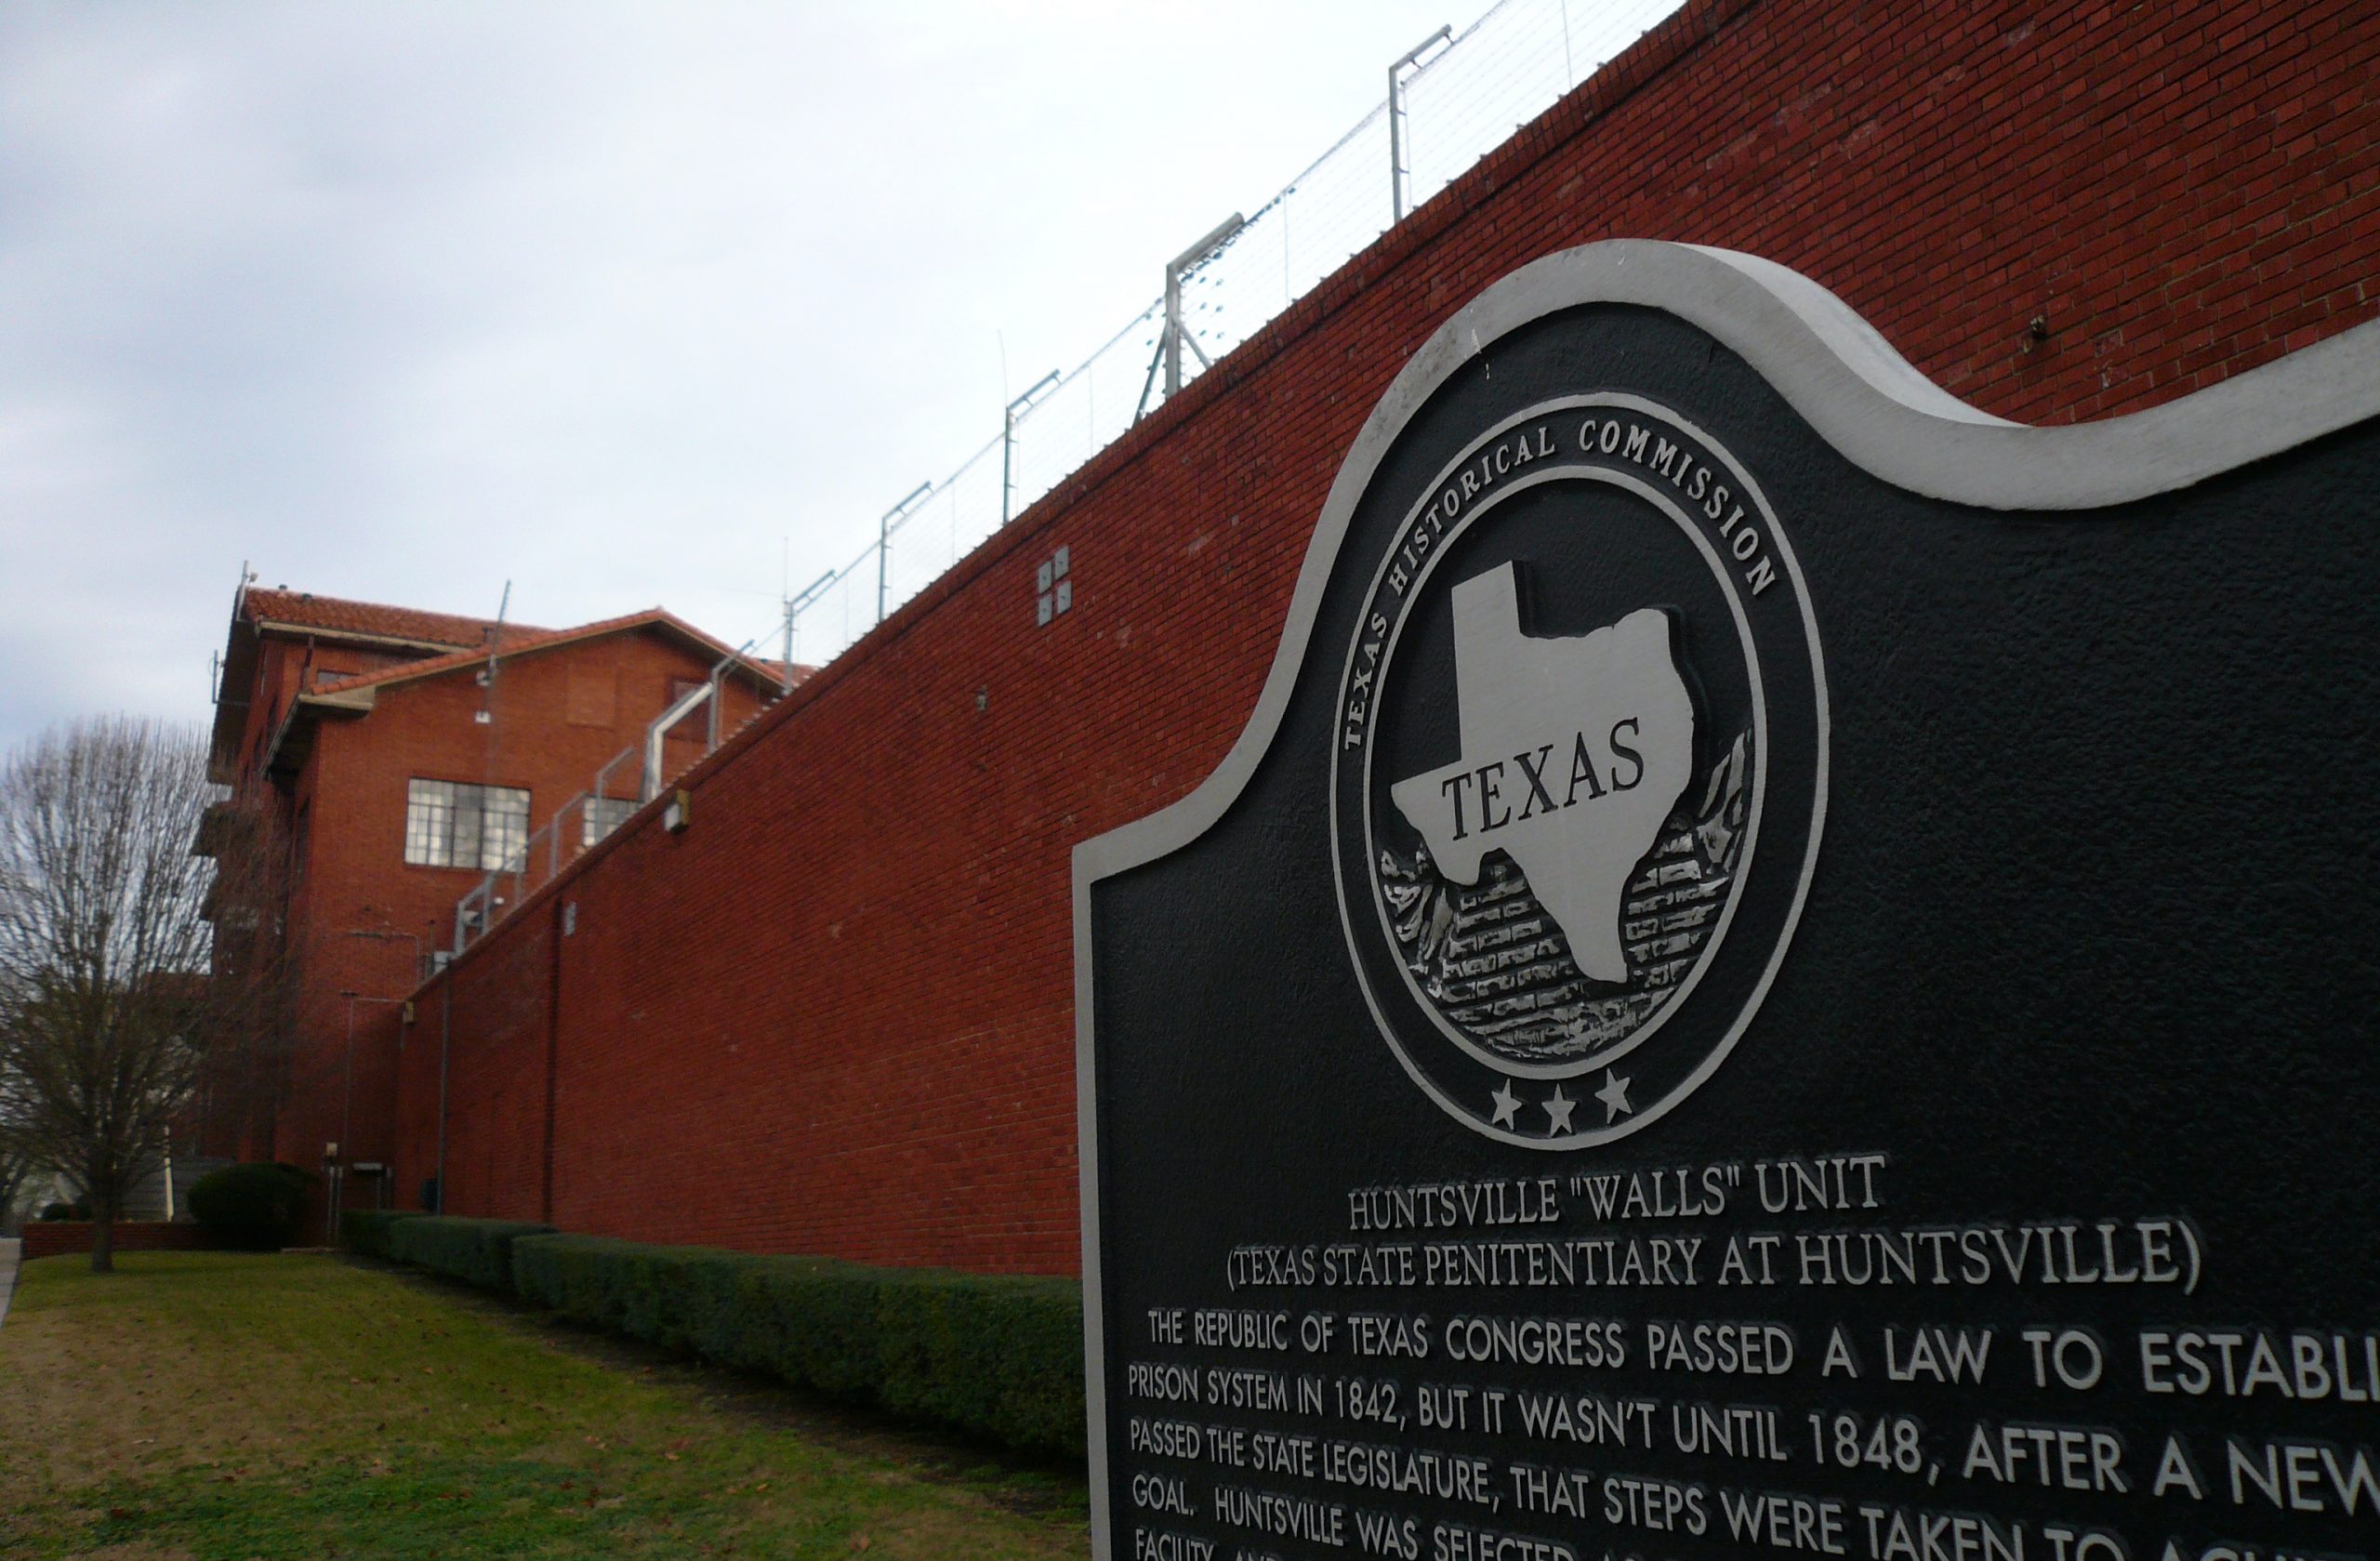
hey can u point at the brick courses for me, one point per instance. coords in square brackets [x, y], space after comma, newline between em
[834, 1015]
[353, 793]
[345, 801]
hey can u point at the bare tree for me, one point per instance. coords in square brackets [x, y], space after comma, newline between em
[107, 1017]
[253, 986]
[17, 1160]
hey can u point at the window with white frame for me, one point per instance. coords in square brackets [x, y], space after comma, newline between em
[606, 814]
[453, 823]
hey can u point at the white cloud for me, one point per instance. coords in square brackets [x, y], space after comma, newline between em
[400, 301]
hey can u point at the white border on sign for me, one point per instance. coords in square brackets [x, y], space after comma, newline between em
[1859, 395]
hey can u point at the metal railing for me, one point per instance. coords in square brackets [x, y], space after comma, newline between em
[542, 855]
[556, 844]
[1448, 104]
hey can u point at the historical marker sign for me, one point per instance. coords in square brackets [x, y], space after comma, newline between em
[1783, 968]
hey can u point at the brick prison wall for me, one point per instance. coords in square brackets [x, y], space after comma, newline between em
[555, 717]
[834, 1015]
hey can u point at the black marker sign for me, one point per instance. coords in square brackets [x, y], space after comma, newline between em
[1783, 968]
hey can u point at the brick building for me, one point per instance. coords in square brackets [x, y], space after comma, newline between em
[833, 1013]
[403, 756]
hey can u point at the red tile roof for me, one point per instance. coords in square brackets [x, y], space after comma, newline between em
[305, 610]
[527, 641]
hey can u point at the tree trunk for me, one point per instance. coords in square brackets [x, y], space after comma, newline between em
[102, 1234]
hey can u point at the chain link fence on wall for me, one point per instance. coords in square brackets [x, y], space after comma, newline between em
[1459, 100]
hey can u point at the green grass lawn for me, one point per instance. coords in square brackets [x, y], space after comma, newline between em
[212, 1405]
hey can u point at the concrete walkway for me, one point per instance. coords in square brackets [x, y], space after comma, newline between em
[8, 1250]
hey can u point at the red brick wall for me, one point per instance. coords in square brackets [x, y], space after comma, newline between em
[835, 1014]
[495, 1152]
[49, 1238]
[352, 792]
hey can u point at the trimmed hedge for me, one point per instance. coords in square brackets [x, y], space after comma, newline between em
[995, 1357]
[998, 1354]
[999, 1357]
[816, 1323]
[476, 1251]
[366, 1230]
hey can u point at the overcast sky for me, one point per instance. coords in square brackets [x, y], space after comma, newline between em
[400, 301]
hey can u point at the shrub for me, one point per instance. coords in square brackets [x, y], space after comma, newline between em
[813, 1323]
[53, 1212]
[686, 1298]
[252, 1208]
[995, 1357]
[366, 1230]
[998, 1354]
[476, 1251]
[1000, 1357]
[580, 1276]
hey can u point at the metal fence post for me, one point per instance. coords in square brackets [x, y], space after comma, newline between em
[1008, 444]
[1397, 172]
[1174, 336]
[884, 539]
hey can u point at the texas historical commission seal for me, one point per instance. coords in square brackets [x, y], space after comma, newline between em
[1579, 769]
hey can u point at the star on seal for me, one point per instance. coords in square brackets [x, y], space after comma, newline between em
[1614, 1095]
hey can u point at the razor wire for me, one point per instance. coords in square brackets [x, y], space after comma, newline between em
[1458, 103]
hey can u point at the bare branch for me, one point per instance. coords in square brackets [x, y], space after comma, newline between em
[109, 1021]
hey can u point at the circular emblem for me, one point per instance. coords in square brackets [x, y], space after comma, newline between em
[1579, 769]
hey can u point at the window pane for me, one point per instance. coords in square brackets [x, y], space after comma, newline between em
[606, 814]
[504, 825]
[464, 844]
[429, 823]
[451, 824]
